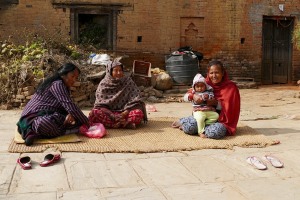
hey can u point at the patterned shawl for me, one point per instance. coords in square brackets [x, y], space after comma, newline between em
[228, 94]
[118, 94]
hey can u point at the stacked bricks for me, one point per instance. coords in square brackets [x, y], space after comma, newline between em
[23, 96]
[82, 93]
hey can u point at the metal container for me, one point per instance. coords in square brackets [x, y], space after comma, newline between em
[182, 68]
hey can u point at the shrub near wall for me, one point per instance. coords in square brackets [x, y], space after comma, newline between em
[23, 66]
[296, 36]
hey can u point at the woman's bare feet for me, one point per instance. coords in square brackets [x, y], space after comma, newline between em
[202, 135]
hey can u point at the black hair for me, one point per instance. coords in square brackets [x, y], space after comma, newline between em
[62, 71]
[216, 62]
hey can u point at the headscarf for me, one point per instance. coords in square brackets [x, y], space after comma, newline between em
[118, 94]
[227, 93]
[200, 79]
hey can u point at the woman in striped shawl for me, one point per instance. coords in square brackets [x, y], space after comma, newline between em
[118, 102]
[51, 111]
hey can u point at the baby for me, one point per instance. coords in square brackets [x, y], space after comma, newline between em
[203, 113]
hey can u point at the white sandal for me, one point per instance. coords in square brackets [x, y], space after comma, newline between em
[274, 161]
[255, 162]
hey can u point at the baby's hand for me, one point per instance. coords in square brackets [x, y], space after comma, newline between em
[205, 97]
[197, 99]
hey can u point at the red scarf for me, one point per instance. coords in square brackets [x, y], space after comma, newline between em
[227, 93]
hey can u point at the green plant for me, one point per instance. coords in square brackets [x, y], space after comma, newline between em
[93, 34]
[296, 36]
[32, 57]
[17, 64]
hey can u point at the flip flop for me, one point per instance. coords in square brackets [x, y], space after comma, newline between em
[50, 159]
[255, 162]
[24, 162]
[274, 161]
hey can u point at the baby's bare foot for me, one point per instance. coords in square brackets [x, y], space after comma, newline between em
[202, 135]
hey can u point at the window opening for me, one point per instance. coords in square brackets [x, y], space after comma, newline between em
[139, 38]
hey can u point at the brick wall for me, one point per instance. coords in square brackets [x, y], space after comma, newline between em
[219, 27]
[37, 16]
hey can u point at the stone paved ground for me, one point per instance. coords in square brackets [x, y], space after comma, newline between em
[204, 174]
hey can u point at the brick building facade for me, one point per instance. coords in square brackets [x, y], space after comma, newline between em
[253, 38]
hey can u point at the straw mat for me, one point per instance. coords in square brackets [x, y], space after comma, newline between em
[61, 139]
[155, 136]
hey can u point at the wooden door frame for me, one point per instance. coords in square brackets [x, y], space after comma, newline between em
[289, 69]
[112, 26]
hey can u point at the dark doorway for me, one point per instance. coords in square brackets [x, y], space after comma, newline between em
[94, 27]
[93, 30]
[277, 50]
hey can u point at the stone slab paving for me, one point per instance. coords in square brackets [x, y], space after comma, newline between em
[147, 193]
[163, 171]
[90, 194]
[209, 169]
[101, 174]
[215, 191]
[31, 196]
[7, 169]
[204, 174]
[269, 188]
[6, 174]
[125, 156]
[8, 119]
[39, 179]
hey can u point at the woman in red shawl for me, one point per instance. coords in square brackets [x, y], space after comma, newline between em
[227, 101]
[227, 94]
[118, 102]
